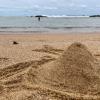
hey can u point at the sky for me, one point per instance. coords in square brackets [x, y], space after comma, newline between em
[49, 7]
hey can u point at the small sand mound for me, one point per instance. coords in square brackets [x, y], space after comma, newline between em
[49, 49]
[74, 70]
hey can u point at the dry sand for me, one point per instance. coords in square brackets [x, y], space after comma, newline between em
[50, 67]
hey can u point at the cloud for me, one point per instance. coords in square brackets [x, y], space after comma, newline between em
[50, 8]
[36, 6]
[71, 4]
[83, 6]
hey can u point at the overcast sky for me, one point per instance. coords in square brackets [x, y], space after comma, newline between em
[49, 7]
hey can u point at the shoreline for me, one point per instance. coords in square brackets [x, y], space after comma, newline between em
[44, 33]
[50, 37]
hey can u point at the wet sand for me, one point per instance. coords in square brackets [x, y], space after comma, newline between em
[19, 61]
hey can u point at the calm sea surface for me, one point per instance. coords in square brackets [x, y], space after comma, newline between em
[49, 24]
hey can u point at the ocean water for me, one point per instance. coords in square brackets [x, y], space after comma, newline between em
[49, 24]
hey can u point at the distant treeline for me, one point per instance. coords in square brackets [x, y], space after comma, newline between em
[95, 16]
[38, 16]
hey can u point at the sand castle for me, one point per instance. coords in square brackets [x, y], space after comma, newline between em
[74, 70]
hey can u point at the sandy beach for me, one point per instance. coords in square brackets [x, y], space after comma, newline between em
[27, 68]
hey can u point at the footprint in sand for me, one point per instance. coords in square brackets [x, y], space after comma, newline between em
[4, 60]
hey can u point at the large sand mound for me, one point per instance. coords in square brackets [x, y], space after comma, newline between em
[75, 70]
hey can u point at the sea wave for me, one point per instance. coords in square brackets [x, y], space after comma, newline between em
[69, 27]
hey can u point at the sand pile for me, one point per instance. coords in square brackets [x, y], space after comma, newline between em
[75, 70]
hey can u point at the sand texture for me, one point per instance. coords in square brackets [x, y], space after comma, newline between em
[50, 67]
